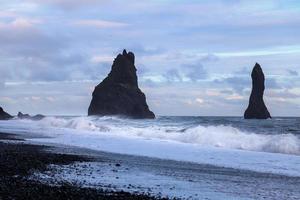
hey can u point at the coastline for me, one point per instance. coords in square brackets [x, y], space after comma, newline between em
[39, 171]
[19, 160]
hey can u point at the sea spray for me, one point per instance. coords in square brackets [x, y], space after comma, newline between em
[264, 146]
[222, 136]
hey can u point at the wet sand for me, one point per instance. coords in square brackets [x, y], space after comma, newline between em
[173, 178]
[18, 161]
[36, 171]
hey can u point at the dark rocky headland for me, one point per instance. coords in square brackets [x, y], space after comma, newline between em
[119, 94]
[27, 116]
[4, 115]
[257, 108]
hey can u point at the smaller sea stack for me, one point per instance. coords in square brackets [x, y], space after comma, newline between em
[118, 93]
[27, 116]
[4, 115]
[257, 108]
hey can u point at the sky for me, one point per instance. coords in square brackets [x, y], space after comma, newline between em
[194, 57]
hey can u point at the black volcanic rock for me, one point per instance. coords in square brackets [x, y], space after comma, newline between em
[118, 93]
[38, 117]
[23, 116]
[4, 115]
[257, 108]
[27, 116]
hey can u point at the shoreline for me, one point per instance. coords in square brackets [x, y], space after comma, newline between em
[19, 160]
[81, 173]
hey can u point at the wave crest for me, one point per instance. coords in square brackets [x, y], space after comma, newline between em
[216, 136]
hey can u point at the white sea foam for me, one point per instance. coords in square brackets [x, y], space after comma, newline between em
[224, 146]
[216, 136]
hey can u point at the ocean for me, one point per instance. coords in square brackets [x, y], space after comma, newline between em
[259, 146]
[277, 135]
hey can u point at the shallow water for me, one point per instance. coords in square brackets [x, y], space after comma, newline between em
[277, 135]
[269, 146]
[236, 155]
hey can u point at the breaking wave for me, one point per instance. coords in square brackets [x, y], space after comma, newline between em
[217, 136]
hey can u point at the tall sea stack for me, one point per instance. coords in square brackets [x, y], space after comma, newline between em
[118, 93]
[257, 108]
[4, 115]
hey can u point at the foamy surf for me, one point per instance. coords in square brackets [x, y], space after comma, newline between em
[215, 136]
[215, 143]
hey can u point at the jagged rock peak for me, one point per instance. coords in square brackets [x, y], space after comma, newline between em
[123, 70]
[130, 56]
[118, 93]
[257, 108]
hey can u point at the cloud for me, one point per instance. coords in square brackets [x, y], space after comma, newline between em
[287, 94]
[292, 72]
[25, 22]
[32, 97]
[142, 70]
[235, 97]
[239, 13]
[187, 72]
[141, 50]
[102, 58]
[209, 58]
[195, 71]
[19, 23]
[227, 92]
[272, 83]
[7, 14]
[241, 83]
[29, 54]
[173, 75]
[99, 23]
[22, 37]
[70, 4]
[187, 46]
[238, 83]
[25, 49]
[199, 101]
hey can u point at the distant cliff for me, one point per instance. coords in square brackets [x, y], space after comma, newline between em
[27, 116]
[118, 93]
[4, 115]
[257, 108]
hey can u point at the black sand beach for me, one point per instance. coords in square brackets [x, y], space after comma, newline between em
[18, 161]
[32, 171]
